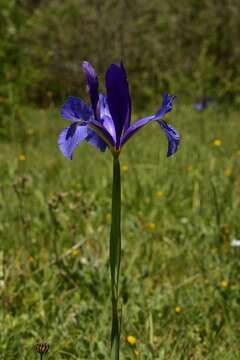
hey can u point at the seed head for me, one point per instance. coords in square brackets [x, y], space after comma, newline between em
[42, 347]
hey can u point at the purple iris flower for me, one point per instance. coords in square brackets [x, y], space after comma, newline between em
[107, 123]
[201, 103]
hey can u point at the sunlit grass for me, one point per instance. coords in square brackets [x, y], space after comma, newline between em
[180, 275]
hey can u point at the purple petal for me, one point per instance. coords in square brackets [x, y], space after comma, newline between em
[202, 103]
[94, 139]
[135, 127]
[102, 132]
[70, 137]
[166, 107]
[92, 82]
[75, 109]
[118, 98]
[106, 117]
[198, 106]
[172, 136]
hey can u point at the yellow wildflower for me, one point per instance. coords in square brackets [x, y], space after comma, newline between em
[189, 168]
[108, 216]
[178, 309]
[75, 252]
[228, 172]
[30, 258]
[125, 168]
[151, 226]
[136, 352]
[160, 194]
[22, 157]
[131, 340]
[224, 284]
[217, 142]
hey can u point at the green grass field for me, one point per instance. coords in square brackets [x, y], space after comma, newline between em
[180, 276]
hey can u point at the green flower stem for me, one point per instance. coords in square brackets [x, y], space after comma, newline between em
[115, 256]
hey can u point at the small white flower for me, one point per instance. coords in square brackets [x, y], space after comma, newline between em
[84, 260]
[235, 243]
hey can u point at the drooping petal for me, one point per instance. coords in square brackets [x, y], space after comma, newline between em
[94, 139]
[92, 81]
[172, 136]
[70, 137]
[167, 105]
[165, 108]
[118, 98]
[106, 117]
[75, 109]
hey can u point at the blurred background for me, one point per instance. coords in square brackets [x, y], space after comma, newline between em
[180, 266]
[187, 47]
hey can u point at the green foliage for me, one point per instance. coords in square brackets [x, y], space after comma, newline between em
[188, 47]
[61, 293]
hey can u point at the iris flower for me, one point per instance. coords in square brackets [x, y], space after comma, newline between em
[107, 123]
[202, 103]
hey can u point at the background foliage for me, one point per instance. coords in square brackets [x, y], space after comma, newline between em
[188, 47]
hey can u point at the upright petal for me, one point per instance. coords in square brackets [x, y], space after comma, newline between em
[92, 81]
[102, 132]
[118, 98]
[105, 116]
[166, 107]
[70, 137]
[172, 136]
[94, 139]
[75, 109]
